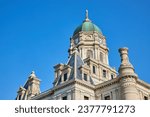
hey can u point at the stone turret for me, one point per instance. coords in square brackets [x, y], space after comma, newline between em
[33, 85]
[30, 89]
[127, 77]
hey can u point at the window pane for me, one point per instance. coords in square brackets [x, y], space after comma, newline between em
[104, 73]
[19, 97]
[107, 98]
[112, 76]
[85, 77]
[64, 98]
[65, 76]
[86, 98]
[94, 70]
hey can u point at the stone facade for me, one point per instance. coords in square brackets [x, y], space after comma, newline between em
[87, 74]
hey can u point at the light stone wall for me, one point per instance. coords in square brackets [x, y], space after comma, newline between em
[65, 91]
[81, 91]
[112, 90]
[115, 91]
[143, 91]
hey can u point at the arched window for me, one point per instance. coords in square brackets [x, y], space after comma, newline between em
[90, 53]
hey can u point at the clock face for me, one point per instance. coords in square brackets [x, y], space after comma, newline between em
[76, 41]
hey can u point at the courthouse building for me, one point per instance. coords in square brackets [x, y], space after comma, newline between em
[87, 74]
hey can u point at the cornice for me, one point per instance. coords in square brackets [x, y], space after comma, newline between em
[74, 81]
[87, 85]
[141, 82]
[65, 84]
[42, 95]
[106, 84]
[84, 83]
[101, 64]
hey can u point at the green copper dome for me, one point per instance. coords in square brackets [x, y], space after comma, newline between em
[87, 26]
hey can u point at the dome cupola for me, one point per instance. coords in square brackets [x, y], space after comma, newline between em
[87, 26]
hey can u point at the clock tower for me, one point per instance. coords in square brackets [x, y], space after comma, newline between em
[91, 45]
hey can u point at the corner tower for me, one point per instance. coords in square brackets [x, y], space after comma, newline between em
[128, 78]
[92, 47]
[30, 89]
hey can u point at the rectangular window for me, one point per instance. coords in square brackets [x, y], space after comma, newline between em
[145, 98]
[85, 77]
[94, 70]
[107, 97]
[104, 73]
[86, 98]
[64, 98]
[65, 76]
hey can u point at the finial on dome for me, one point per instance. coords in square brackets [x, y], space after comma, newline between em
[87, 16]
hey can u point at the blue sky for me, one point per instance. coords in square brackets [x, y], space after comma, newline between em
[34, 35]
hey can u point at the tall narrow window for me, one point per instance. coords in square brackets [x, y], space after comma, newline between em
[104, 73]
[90, 54]
[65, 76]
[101, 56]
[19, 97]
[85, 77]
[94, 70]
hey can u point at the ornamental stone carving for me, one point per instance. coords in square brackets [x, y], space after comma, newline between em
[95, 35]
[88, 37]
